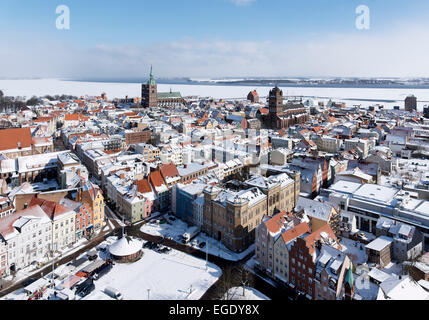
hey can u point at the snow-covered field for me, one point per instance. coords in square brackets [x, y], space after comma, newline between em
[236, 293]
[351, 96]
[178, 228]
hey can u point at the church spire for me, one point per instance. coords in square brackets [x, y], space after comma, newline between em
[151, 78]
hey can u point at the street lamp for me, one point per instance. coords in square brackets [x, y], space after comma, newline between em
[53, 253]
[207, 255]
[148, 294]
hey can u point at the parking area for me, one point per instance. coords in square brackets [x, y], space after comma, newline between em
[93, 276]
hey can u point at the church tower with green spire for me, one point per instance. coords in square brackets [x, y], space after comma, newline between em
[150, 92]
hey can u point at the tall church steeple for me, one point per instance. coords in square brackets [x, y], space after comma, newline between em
[149, 92]
[151, 81]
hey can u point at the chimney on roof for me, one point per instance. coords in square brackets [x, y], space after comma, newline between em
[185, 166]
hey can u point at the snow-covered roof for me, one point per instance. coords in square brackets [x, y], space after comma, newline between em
[376, 192]
[125, 246]
[402, 289]
[379, 275]
[380, 243]
[314, 208]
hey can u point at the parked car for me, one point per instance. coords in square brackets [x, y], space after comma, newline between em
[147, 244]
[92, 255]
[86, 291]
[103, 270]
[165, 250]
[85, 287]
[154, 246]
[202, 245]
[102, 247]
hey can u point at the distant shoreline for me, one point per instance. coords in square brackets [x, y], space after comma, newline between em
[338, 83]
[262, 83]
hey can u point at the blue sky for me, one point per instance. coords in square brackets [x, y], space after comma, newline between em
[214, 38]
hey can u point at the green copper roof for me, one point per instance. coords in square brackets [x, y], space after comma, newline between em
[349, 277]
[171, 95]
[151, 81]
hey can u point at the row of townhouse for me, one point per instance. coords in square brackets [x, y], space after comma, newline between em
[43, 226]
[136, 197]
[308, 260]
[30, 235]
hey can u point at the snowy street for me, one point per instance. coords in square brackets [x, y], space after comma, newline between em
[175, 229]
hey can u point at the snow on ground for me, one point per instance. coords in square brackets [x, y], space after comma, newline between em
[408, 170]
[236, 293]
[355, 250]
[115, 217]
[159, 273]
[177, 228]
[155, 271]
[351, 96]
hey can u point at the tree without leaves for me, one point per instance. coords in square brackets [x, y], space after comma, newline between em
[232, 276]
[33, 101]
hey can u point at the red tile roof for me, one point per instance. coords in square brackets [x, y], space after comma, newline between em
[264, 111]
[143, 186]
[43, 119]
[316, 235]
[295, 232]
[168, 170]
[156, 179]
[276, 222]
[75, 117]
[9, 138]
[51, 208]
[6, 223]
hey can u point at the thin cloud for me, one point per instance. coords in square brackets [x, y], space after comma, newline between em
[241, 3]
[399, 54]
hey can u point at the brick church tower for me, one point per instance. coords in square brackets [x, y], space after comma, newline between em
[275, 103]
[150, 92]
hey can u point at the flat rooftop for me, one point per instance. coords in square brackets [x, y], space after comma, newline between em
[345, 186]
[376, 192]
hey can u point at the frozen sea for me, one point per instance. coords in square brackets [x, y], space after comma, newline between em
[388, 97]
